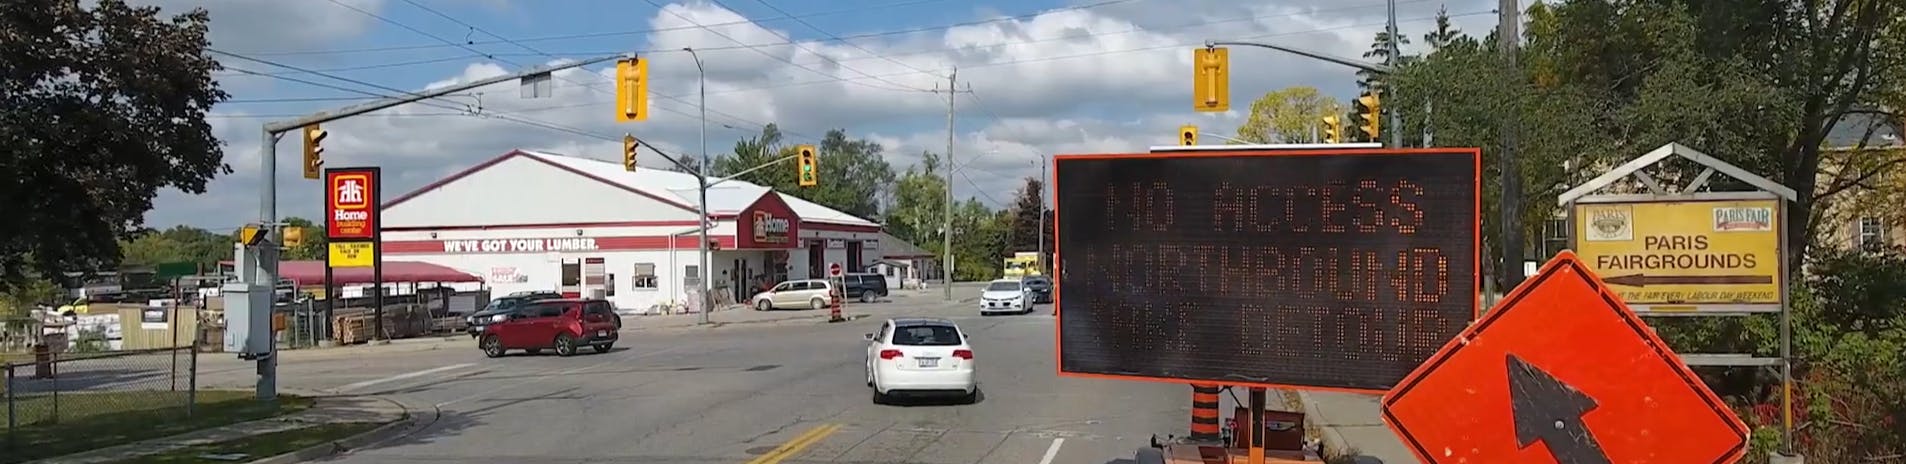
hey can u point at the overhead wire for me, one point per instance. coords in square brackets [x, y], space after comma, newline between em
[1132, 30]
[843, 41]
[758, 50]
[817, 53]
[491, 55]
[396, 48]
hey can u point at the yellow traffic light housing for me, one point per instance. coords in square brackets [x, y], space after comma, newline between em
[1333, 130]
[252, 234]
[314, 151]
[629, 144]
[1211, 79]
[294, 236]
[631, 90]
[809, 176]
[1187, 135]
[1372, 114]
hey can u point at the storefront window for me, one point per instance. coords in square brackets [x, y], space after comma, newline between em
[644, 277]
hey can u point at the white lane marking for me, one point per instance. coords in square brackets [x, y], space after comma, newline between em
[540, 377]
[1052, 451]
[354, 386]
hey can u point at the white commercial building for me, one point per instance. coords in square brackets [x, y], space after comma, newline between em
[541, 221]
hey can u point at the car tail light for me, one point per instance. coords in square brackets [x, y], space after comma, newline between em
[889, 354]
[963, 354]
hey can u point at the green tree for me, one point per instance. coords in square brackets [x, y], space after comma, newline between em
[19, 300]
[177, 244]
[919, 200]
[979, 241]
[1022, 217]
[1288, 115]
[854, 177]
[99, 109]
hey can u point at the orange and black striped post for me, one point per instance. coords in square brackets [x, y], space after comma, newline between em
[1204, 412]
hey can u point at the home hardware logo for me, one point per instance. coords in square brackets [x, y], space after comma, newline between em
[770, 229]
[351, 199]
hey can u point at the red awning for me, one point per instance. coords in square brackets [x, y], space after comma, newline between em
[307, 273]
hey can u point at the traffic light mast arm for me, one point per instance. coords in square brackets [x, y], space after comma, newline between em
[1367, 66]
[354, 110]
[677, 162]
[743, 172]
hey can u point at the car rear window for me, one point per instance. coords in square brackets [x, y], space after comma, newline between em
[926, 335]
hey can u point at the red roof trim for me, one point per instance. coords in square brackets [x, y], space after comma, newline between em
[808, 224]
[552, 225]
[514, 153]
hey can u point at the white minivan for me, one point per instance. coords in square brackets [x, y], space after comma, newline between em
[810, 294]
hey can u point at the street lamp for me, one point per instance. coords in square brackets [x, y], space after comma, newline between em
[701, 182]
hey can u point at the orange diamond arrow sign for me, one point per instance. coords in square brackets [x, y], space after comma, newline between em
[1561, 371]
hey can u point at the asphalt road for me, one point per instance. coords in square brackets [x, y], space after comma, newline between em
[790, 392]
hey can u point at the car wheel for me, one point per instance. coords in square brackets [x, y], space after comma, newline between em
[971, 398]
[491, 346]
[816, 304]
[763, 305]
[879, 398]
[565, 345]
[604, 347]
[867, 297]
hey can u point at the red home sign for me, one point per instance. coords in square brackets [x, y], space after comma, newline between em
[768, 223]
[350, 203]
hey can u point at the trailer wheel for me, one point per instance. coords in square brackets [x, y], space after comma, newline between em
[1149, 456]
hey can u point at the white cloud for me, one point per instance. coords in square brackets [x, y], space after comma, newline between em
[1088, 80]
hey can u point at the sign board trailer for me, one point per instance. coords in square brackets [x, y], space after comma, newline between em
[1316, 268]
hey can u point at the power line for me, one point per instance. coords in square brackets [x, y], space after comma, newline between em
[394, 48]
[817, 53]
[1131, 30]
[757, 50]
[846, 42]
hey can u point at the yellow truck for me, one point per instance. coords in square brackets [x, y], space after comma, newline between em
[1022, 264]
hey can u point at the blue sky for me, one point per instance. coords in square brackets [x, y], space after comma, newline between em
[1046, 76]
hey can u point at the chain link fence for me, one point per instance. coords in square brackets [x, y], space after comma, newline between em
[133, 385]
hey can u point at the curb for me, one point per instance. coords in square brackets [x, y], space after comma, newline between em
[416, 417]
[1330, 442]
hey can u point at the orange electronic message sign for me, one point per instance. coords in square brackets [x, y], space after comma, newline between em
[1328, 269]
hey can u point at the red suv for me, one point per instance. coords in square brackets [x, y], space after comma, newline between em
[564, 325]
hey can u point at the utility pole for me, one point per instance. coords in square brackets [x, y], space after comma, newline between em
[1044, 186]
[1510, 273]
[266, 251]
[701, 178]
[1396, 116]
[946, 220]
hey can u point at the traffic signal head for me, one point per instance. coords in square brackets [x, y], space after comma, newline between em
[1211, 79]
[631, 90]
[1372, 114]
[1187, 135]
[808, 175]
[1333, 130]
[294, 236]
[629, 144]
[314, 151]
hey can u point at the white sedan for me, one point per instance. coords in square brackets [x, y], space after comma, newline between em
[920, 356]
[1005, 296]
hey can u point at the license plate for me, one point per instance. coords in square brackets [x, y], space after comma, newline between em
[929, 362]
[602, 333]
[476, 328]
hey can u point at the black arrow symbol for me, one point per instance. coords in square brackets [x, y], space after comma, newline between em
[1643, 280]
[1549, 411]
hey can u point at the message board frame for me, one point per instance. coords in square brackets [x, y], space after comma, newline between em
[1656, 307]
[1473, 163]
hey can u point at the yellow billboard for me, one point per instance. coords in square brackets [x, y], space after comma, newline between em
[352, 254]
[1680, 255]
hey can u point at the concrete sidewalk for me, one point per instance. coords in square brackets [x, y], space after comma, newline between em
[1352, 425]
[326, 410]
